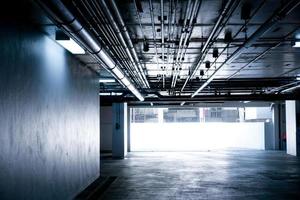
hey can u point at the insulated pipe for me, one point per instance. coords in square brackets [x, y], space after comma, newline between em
[128, 39]
[120, 37]
[108, 33]
[290, 6]
[61, 14]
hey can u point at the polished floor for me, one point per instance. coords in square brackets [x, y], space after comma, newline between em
[234, 174]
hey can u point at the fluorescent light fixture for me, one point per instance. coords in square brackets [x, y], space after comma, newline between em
[68, 43]
[71, 46]
[107, 80]
[110, 93]
[247, 101]
[241, 93]
[182, 103]
[296, 44]
[298, 78]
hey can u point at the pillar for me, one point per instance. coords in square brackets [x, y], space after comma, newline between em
[119, 137]
[292, 127]
[272, 129]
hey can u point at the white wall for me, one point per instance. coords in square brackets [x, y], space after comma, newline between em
[106, 127]
[196, 136]
[290, 109]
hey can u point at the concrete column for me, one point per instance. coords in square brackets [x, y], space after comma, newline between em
[119, 137]
[292, 127]
[272, 129]
[128, 128]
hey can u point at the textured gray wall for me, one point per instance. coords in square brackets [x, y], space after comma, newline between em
[49, 119]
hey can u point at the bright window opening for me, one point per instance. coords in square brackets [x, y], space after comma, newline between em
[198, 129]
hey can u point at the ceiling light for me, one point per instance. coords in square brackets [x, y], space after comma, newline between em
[146, 47]
[296, 44]
[68, 43]
[215, 52]
[207, 64]
[110, 93]
[107, 80]
[241, 93]
[201, 72]
[298, 78]
[228, 36]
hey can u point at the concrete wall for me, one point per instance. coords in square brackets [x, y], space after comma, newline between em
[196, 136]
[106, 125]
[49, 119]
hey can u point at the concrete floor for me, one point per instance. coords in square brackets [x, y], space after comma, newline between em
[234, 174]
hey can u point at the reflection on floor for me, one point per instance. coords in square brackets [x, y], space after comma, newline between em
[234, 174]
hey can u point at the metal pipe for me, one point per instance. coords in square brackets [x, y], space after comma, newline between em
[170, 14]
[61, 14]
[162, 39]
[261, 30]
[99, 18]
[290, 89]
[187, 14]
[153, 31]
[181, 46]
[212, 98]
[280, 88]
[221, 18]
[120, 36]
[128, 39]
[263, 53]
[187, 37]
